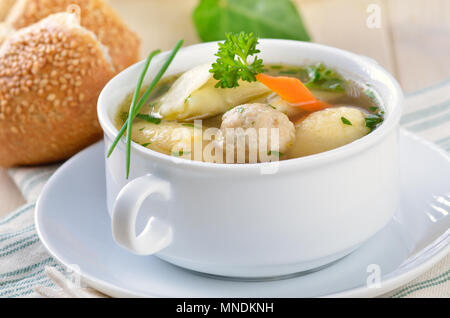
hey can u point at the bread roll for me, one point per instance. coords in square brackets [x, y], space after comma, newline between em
[51, 74]
[96, 15]
[5, 31]
[5, 6]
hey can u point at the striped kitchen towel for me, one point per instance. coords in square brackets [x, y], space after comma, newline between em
[23, 257]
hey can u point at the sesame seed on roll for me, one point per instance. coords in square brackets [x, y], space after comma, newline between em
[96, 15]
[51, 74]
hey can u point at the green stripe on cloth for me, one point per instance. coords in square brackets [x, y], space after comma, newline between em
[421, 285]
[25, 284]
[31, 290]
[443, 140]
[430, 123]
[17, 214]
[17, 249]
[10, 235]
[421, 114]
[38, 180]
[18, 291]
[32, 236]
[27, 269]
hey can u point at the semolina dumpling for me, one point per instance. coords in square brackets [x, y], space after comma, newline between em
[194, 95]
[328, 129]
[164, 137]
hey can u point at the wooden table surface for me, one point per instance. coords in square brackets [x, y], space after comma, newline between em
[412, 40]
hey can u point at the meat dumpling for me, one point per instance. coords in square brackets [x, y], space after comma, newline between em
[258, 116]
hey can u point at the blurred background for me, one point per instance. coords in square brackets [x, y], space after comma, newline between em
[410, 38]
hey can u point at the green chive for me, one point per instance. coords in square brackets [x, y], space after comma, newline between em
[188, 125]
[145, 97]
[276, 67]
[346, 121]
[275, 153]
[146, 144]
[149, 118]
[132, 106]
[180, 153]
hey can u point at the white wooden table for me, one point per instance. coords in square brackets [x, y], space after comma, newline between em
[412, 41]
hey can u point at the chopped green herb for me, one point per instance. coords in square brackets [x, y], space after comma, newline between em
[272, 106]
[141, 129]
[323, 78]
[187, 98]
[290, 71]
[370, 93]
[188, 125]
[146, 144]
[240, 109]
[373, 109]
[372, 121]
[232, 63]
[345, 121]
[275, 153]
[149, 118]
[276, 67]
[124, 116]
[180, 153]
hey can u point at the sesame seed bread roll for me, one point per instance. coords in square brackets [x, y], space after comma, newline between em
[51, 74]
[5, 6]
[96, 15]
[5, 31]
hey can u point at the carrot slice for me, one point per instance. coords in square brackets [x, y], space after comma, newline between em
[292, 90]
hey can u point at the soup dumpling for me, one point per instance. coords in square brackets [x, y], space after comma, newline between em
[194, 95]
[261, 118]
[328, 129]
[167, 137]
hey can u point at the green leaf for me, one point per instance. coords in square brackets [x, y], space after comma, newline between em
[149, 118]
[345, 121]
[266, 18]
[323, 78]
[373, 121]
[275, 153]
[233, 64]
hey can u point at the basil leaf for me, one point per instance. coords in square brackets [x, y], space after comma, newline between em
[266, 18]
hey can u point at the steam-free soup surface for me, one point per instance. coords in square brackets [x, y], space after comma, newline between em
[184, 106]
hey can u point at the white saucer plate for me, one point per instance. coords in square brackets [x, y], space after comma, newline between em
[73, 224]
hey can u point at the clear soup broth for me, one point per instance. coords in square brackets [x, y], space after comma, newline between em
[180, 112]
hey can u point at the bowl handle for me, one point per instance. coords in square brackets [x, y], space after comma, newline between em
[156, 235]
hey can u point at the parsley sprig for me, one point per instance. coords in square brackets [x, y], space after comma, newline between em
[232, 63]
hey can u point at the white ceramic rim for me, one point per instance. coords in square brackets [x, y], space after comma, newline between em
[390, 123]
